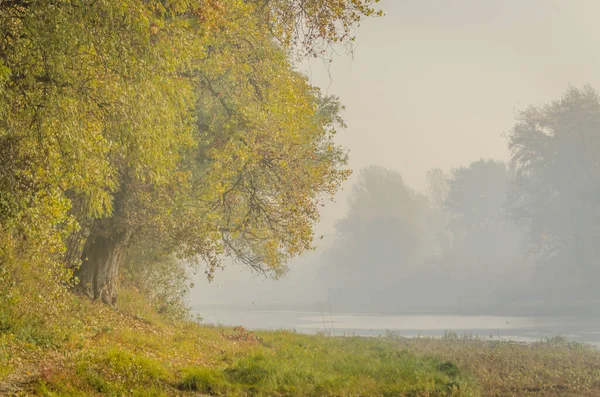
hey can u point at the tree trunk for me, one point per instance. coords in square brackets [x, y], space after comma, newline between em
[76, 240]
[103, 255]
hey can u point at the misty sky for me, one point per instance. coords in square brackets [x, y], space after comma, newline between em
[435, 84]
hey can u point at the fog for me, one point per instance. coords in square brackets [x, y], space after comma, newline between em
[436, 217]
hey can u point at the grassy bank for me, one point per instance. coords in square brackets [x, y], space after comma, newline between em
[133, 351]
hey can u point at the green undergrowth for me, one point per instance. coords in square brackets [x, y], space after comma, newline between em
[290, 364]
[217, 361]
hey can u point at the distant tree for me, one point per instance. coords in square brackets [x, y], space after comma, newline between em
[437, 187]
[437, 192]
[555, 154]
[384, 234]
[477, 203]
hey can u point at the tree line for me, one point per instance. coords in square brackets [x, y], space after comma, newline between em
[491, 233]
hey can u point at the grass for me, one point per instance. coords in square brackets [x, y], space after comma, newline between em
[133, 351]
[552, 367]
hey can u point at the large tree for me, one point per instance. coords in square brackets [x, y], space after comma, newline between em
[181, 122]
[556, 157]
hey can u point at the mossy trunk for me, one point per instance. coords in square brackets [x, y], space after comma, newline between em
[101, 262]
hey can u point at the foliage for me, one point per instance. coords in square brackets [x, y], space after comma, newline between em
[480, 224]
[267, 156]
[555, 157]
[437, 192]
[124, 123]
[312, 26]
[503, 233]
[397, 249]
[382, 239]
[82, 98]
[437, 187]
[477, 194]
[162, 279]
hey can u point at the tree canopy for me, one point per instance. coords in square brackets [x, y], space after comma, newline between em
[382, 238]
[556, 191]
[480, 223]
[179, 124]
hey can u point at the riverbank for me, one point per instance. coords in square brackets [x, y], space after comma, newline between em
[134, 351]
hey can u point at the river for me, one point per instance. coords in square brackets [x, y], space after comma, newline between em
[521, 329]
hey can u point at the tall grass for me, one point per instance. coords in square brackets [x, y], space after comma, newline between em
[290, 364]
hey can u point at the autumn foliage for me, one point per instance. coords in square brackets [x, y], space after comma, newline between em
[180, 127]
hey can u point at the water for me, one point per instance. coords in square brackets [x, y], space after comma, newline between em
[522, 329]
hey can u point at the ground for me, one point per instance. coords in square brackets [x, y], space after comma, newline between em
[134, 351]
